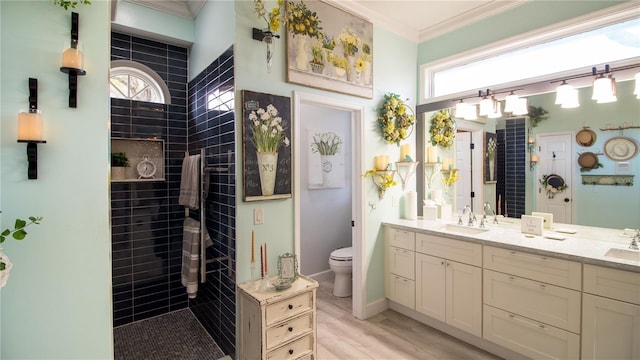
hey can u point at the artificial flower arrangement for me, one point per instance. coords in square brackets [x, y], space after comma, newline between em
[394, 119]
[273, 18]
[349, 41]
[443, 129]
[302, 21]
[382, 179]
[450, 180]
[267, 129]
[326, 143]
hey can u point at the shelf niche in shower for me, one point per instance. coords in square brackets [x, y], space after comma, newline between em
[136, 150]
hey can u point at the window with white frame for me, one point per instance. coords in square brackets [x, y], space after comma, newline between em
[553, 52]
[135, 81]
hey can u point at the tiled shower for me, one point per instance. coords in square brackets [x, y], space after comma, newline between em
[146, 218]
[512, 170]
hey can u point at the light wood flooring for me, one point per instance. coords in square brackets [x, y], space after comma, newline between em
[386, 336]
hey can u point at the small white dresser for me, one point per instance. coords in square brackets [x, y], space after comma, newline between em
[278, 324]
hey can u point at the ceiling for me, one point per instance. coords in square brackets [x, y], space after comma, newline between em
[416, 20]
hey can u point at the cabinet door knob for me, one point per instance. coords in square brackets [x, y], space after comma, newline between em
[442, 263]
[290, 329]
[290, 351]
[290, 306]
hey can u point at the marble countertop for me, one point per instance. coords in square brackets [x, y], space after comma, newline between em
[588, 244]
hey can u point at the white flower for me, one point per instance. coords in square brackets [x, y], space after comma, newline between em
[286, 141]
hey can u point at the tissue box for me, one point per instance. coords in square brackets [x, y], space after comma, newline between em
[430, 213]
[445, 212]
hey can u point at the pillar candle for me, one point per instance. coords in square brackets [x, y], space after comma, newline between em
[534, 158]
[405, 150]
[445, 163]
[73, 58]
[431, 154]
[253, 256]
[411, 209]
[380, 163]
[29, 126]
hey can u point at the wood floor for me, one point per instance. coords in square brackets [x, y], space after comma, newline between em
[386, 336]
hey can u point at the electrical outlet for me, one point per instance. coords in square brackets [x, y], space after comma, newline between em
[258, 216]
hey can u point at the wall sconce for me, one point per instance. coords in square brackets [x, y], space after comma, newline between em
[30, 129]
[531, 146]
[73, 61]
[604, 87]
[266, 37]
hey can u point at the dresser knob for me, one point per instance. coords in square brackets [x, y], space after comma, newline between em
[290, 329]
[290, 351]
[290, 306]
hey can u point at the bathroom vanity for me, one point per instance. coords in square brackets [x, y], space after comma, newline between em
[278, 324]
[560, 295]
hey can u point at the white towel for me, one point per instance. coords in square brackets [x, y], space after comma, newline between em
[189, 189]
[191, 255]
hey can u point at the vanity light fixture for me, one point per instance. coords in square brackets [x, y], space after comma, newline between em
[486, 104]
[567, 96]
[604, 86]
[73, 62]
[266, 37]
[30, 129]
[510, 102]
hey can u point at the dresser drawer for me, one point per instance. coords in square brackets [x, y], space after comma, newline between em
[402, 291]
[612, 283]
[542, 268]
[293, 350]
[460, 251]
[528, 337]
[402, 262]
[542, 302]
[401, 238]
[290, 329]
[288, 308]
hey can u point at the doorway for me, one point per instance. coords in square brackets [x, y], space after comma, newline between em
[353, 114]
[469, 164]
[555, 152]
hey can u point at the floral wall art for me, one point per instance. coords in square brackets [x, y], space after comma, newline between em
[326, 159]
[328, 48]
[266, 146]
[490, 147]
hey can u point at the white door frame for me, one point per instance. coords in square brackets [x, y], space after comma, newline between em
[477, 183]
[357, 210]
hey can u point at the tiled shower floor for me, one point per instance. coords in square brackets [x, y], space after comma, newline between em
[176, 335]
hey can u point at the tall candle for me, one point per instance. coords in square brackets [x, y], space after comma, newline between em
[266, 261]
[380, 162]
[405, 150]
[253, 256]
[431, 154]
[261, 262]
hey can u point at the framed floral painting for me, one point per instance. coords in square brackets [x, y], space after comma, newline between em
[328, 48]
[490, 159]
[266, 146]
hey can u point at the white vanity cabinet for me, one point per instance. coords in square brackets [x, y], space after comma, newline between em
[449, 281]
[278, 324]
[610, 314]
[400, 266]
[532, 303]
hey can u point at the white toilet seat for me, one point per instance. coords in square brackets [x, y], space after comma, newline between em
[340, 263]
[342, 254]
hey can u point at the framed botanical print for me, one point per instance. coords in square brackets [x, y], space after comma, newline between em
[490, 151]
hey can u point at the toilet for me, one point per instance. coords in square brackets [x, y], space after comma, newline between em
[340, 263]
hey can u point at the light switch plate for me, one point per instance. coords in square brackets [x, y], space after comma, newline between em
[531, 225]
[258, 216]
[548, 219]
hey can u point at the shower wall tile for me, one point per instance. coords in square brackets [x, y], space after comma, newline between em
[146, 280]
[213, 130]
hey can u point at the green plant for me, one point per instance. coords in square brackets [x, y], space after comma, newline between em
[326, 143]
[536, 115]
[328, 42]
[119, 159]
[273, 21]
[17, 232]
[316, 52]
[302, 21]
[339, 61]
[70, 3]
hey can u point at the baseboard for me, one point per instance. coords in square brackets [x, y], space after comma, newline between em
[326, 275]
[376, 307]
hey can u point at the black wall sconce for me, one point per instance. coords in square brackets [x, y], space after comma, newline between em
[30, 129]
[73, 61]
[266, 37]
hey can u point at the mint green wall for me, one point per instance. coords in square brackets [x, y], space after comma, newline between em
[57, 303]
[393, 72]
[214, 34]
[605, 206]
[163, 26]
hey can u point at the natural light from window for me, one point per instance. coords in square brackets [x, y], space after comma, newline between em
[133, 84]
[605, 45]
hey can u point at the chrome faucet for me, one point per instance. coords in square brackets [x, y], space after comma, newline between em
[487, 208]
[635, 240]
[472, 217]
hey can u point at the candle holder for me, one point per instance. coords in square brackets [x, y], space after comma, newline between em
[30, 130]
[73, 61]
[255, 275]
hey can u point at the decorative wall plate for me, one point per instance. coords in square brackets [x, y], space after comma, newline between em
[620, 148]
[586, 137]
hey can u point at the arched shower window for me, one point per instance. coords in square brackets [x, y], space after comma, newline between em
[135, 81]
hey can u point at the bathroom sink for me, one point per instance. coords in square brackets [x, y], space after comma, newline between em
[626, 254]
[461, 229]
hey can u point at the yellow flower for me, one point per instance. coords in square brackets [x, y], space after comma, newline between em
[360, 64]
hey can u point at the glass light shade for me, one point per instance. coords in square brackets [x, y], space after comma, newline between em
[472, 113]
[497, 112]
[461, 109]
[30, 126]
[510, 103]
[521, 107]
[637, 89]
[73, 58]
[603, 91]
[486, 107]
[563, 93]
[571, 100]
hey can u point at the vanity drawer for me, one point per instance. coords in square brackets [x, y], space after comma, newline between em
[612, 283]
[542, 268]
[293, 350]
[288, 308]
[549, 304]
[527, 337]
[288, 330]
[402, 239]
[402, 262]
[402, 291]
[460, 251]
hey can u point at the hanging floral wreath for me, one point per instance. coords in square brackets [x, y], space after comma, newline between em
[443, 129]
[553, 184]
[395, 118]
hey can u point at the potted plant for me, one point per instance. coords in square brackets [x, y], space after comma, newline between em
[119, 162]
[317, 62]
[340, 65]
